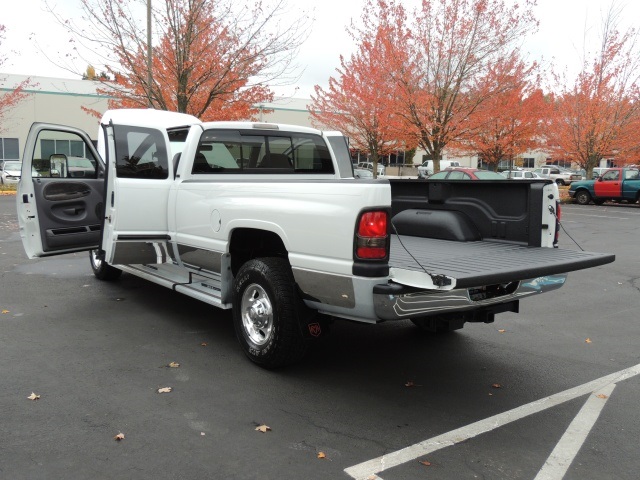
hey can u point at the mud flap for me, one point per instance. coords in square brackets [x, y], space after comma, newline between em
[313, 325]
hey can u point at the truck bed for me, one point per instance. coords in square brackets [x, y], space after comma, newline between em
[487, 262]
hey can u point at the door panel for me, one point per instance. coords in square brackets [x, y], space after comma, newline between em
[138, 186]
[60, 194]
[609, 185]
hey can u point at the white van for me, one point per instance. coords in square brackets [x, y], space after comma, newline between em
[426, 168]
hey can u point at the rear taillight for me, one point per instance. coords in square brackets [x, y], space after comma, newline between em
[372, 239]
[558, 215]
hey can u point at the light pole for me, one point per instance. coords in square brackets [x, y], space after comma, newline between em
[149, 59]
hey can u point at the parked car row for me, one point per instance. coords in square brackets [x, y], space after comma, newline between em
[369, 166]
[10, 172]
[451, 170]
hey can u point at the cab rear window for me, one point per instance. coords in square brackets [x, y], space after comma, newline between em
[224, 151]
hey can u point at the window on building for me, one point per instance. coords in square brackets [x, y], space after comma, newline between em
[504, 164]
[9, 149]
[70, 148]
[528, 162]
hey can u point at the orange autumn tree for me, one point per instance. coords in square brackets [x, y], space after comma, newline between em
[598, 114]
[359, 102]
[510, 121]
[9, 99]
[214, 59]
[454, 44]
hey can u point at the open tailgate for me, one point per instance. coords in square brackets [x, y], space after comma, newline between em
[472, 264]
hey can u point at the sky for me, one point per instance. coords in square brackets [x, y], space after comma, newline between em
[35, 44]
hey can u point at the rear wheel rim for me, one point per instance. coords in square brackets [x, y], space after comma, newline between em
[257, 314]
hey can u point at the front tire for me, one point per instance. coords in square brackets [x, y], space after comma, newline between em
[101, 269]
[583, 197]
[265, 313]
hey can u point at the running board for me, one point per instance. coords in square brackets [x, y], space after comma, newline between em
[206, 287]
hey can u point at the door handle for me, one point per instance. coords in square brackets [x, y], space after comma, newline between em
[73, 211]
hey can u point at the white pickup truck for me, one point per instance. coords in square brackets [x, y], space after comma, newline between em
[559, 175]
[269, 221]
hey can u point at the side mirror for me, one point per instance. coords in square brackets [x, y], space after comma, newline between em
[58, 165]
[599, 179]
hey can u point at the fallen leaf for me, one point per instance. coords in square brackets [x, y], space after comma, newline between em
[496, 385]
[425, 463]
[588, 340]
[164, 390]
[321, 455]
[173, 365]
[263, 428]
[203, 344]
[33, 396]
[119, 437]
[602, 395]
[411, 384]
[501, 331]
[5, 311]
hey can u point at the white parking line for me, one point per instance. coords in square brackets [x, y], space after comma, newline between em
[369, 469]
[569, 445]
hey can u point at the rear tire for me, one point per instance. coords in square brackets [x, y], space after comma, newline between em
[265, 313]
[583, 197]
[101, 269]
[438, 325]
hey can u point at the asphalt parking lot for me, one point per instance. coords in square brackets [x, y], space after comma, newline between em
[551, 392]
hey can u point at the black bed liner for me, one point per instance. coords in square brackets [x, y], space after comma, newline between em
[487, 262]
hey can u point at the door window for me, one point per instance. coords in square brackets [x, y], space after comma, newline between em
[140, 153]
[63, 155]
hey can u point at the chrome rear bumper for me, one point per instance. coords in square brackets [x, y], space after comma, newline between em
[393, 301]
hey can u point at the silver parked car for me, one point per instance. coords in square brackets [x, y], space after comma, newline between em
[521, 175]
[10, 172]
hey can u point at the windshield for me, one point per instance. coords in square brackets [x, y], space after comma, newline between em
[439, 175]
[13, 166]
